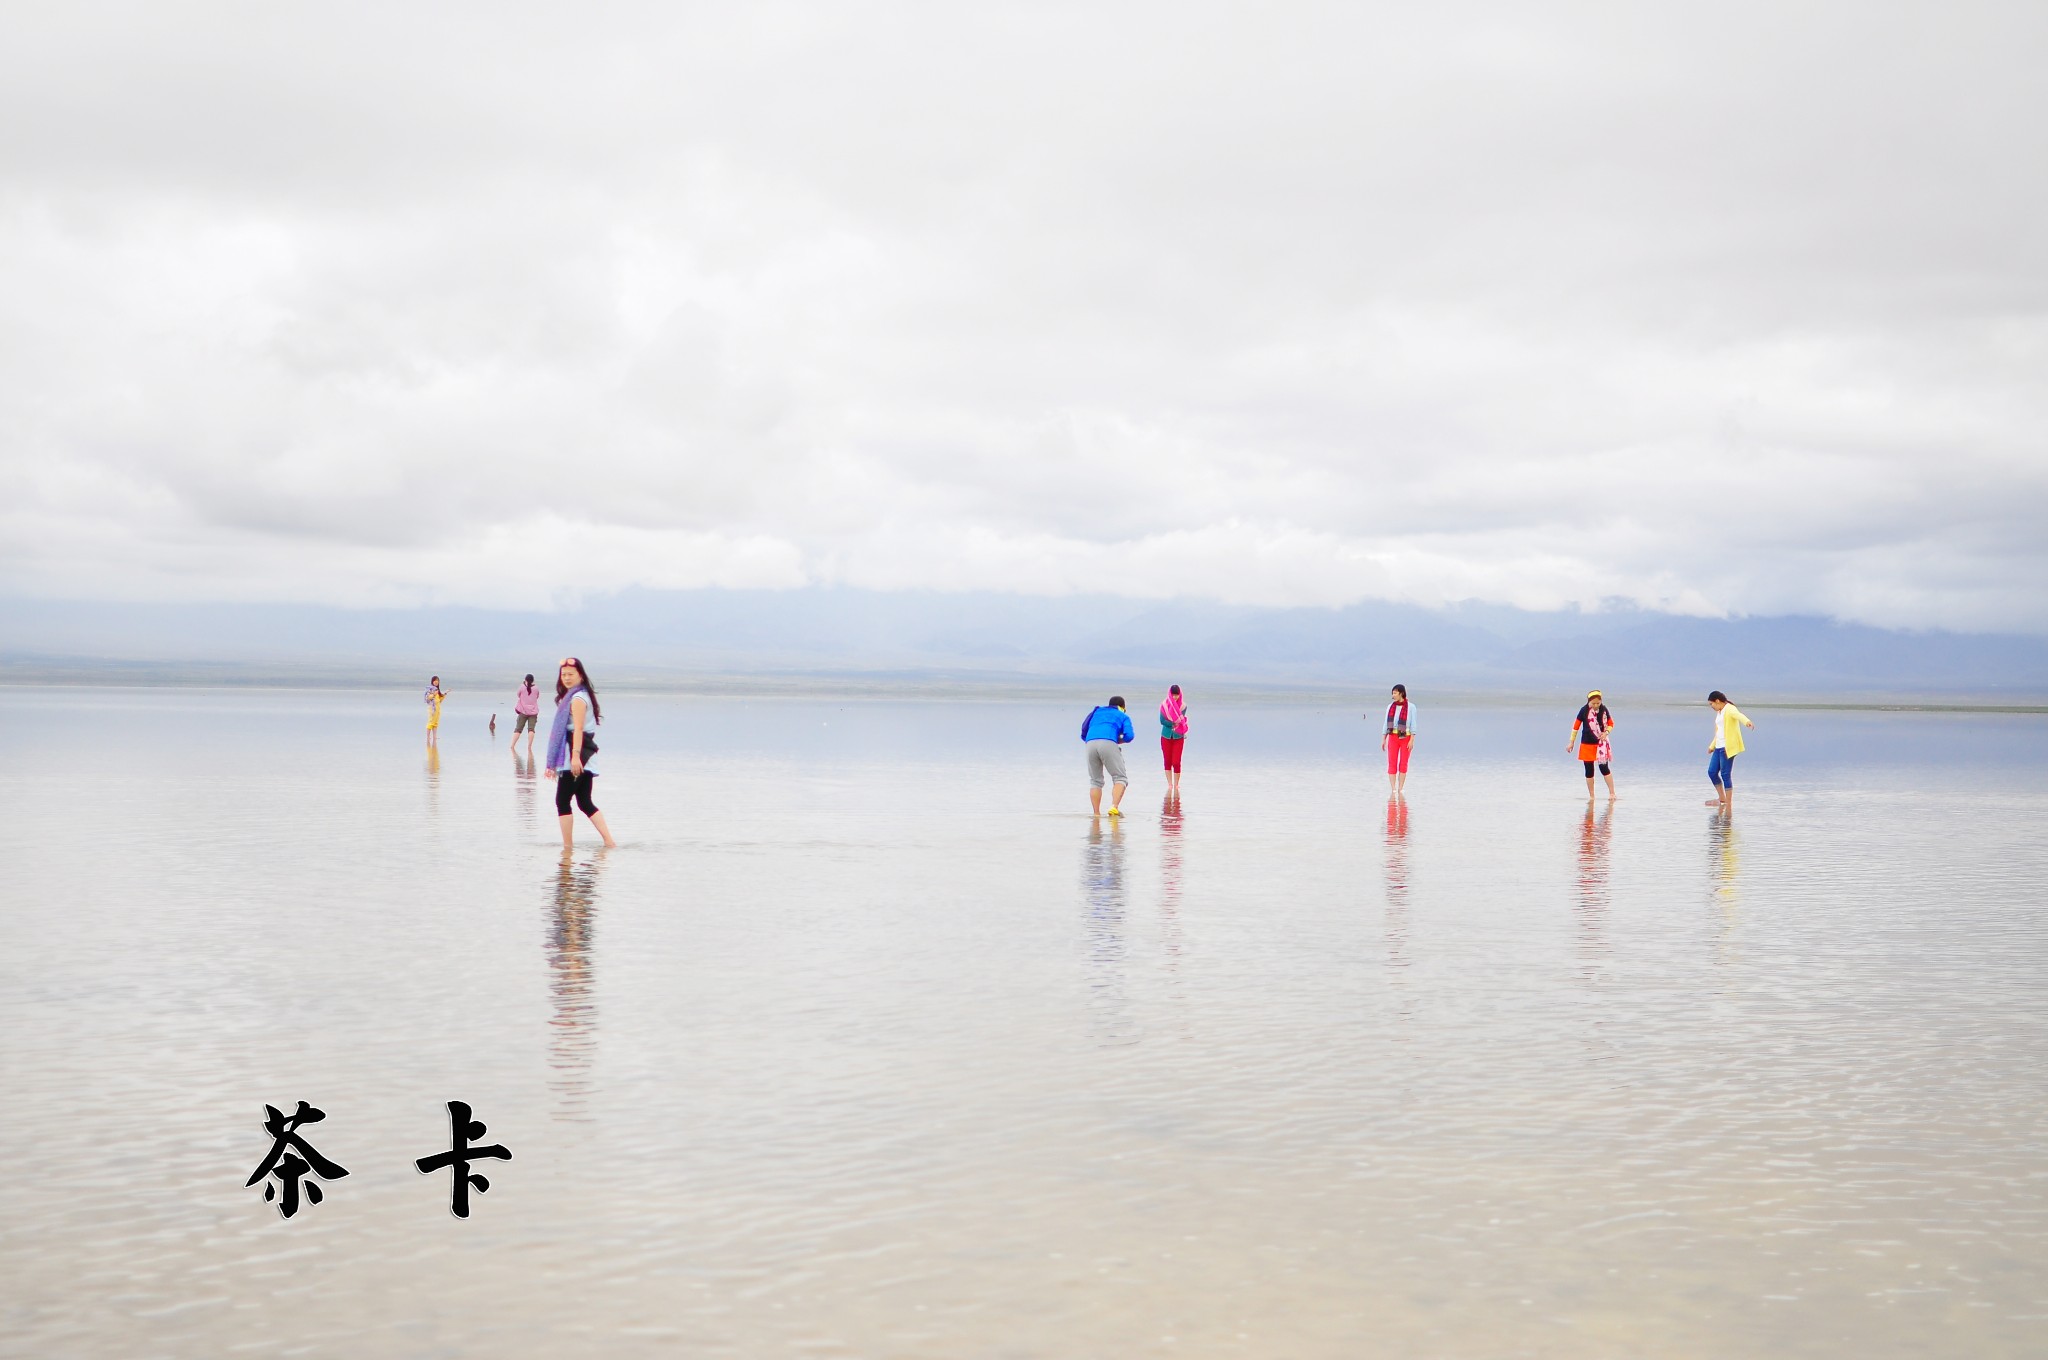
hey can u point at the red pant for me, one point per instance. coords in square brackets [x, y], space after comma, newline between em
[1169, 747]
[1397, 754]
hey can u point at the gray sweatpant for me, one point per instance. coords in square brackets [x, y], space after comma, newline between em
[1104, 754]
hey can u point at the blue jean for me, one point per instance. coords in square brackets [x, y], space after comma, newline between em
[1721, 769]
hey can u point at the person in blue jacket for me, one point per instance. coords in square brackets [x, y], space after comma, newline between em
[1106, 729]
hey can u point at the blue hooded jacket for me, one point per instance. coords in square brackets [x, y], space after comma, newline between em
[1107, 724]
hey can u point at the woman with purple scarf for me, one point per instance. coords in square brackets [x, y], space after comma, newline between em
[571, 742]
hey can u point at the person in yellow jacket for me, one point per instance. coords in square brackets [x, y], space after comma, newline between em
[1721, 752]
[435, 697]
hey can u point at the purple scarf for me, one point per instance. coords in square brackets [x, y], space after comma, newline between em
[558, 734]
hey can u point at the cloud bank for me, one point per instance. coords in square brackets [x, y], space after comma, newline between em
[1734, 311]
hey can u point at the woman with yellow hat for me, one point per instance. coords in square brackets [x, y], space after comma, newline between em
[1589, 737]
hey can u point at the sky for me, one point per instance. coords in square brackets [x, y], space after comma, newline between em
[1721, 310]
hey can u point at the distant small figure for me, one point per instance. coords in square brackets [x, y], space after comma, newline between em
[1721, 752]
[571, 742]
[1589, 737]
[526, 714]
[435, 697]
[291, 1158]
[494, 724]
[1398, 741]
[1106, 729]
[1173, 735]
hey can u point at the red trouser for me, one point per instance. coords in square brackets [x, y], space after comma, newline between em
[1397, 754]
[1169, 747]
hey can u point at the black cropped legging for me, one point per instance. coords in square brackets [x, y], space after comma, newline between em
[1587, 763]
[576, 786]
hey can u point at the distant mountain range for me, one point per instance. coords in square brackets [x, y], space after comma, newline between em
[649, 635]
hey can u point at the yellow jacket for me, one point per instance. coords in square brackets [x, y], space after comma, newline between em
[1731, 729]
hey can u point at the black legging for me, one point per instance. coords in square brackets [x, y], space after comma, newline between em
[1587, 763]
[575, 786]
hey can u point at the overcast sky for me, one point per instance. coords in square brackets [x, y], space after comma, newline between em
[1732, 308]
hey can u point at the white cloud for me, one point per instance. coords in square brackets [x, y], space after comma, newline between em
[1739, 311]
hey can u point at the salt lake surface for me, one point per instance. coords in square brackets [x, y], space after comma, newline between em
[869, 1042]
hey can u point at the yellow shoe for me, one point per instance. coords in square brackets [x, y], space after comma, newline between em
[1116, 812]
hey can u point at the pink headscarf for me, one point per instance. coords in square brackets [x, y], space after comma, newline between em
[1175, 711]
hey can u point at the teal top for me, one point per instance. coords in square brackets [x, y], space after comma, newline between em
[1166, 729]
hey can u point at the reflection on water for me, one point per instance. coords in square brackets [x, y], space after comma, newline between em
[1171, 873]
[525, 799]
[1592, 901]
[1394, 873]
[1110, 1021]
[869, 1079]
[570, 926]
[1593, 896]
[1724, 863]
[431, 810]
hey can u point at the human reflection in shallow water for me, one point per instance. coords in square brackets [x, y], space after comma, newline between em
[1724, 876]
[434, 783]
[524, 800]
[573, 1042]
[1394, 868]
[1593, 893]
[1172, 877]
[1110, 1022]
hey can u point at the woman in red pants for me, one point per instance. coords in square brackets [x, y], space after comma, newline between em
[1173, 735]
[1398, 740]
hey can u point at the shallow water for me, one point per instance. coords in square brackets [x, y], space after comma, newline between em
[866, 1042]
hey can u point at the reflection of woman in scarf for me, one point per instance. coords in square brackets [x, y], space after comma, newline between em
[1173, 734]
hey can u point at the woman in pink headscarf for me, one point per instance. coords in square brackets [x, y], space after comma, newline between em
[1173, 734]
